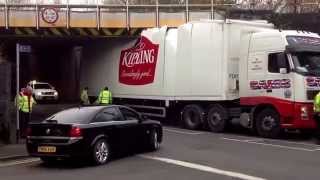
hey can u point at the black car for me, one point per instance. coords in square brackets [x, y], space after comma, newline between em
[95, 132]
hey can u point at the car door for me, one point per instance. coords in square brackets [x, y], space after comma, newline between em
[130, 124]
[106, 122]
[281, 86]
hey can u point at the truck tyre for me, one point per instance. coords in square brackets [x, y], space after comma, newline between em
[192, 116]
[268, 123]
[217, 118]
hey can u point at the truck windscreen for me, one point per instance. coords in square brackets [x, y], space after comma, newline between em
[307, 63]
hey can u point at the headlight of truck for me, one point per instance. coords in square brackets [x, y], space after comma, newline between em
[304, 112]
[55, 93]
[38, 93]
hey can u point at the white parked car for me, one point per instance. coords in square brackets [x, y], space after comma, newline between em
[43, 91]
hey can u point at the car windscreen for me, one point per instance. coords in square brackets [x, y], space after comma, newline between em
[82, 115]
[42, 86]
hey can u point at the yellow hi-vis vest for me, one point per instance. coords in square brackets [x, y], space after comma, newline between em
[105, 97]
[316, 103]
[24, 104]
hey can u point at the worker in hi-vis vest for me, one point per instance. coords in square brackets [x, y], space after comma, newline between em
[316, 109]
[105, 97]
[24, 101]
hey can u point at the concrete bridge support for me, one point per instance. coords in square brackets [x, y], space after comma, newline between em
[7, 109]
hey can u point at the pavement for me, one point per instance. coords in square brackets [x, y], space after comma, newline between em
[186, 154]
[13, 151]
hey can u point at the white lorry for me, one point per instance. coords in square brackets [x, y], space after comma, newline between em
[210, 72]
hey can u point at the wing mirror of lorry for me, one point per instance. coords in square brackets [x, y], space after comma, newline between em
[283, 71]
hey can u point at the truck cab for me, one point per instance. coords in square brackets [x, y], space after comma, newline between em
[279, 77]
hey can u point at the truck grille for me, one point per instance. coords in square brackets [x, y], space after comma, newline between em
[311, 94]
[48, 93]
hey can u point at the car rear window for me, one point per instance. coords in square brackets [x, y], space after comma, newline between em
[82, 115]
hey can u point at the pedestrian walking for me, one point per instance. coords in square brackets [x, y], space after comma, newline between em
[84, 96]
[105, 97]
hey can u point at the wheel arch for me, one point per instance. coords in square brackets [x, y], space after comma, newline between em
[101, 136]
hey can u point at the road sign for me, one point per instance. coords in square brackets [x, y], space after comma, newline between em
[25, 49]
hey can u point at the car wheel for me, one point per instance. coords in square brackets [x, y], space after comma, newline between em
[153, 143]
[48, 160]
[216, 118]
[101, 152]
[268, 123]
[192, 116]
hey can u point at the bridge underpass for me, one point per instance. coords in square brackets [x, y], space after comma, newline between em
[61, 61]
[60, 35]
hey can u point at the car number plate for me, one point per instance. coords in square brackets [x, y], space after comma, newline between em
[47, 149]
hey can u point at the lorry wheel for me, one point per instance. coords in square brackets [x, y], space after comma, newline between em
[217, 118]
[192, 116]
[268, 123]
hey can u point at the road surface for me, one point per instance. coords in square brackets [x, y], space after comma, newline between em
[187, 154]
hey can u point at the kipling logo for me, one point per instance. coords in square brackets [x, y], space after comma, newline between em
[137, 64]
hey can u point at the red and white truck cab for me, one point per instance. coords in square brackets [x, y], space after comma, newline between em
[279, 76]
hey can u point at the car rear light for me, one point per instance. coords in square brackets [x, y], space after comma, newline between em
[29, 131]
[75, 131]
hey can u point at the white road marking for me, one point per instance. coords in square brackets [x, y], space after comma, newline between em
[13, 163]
[182, 132]
[204, 168]
[268, 144]
[274, 140]
[291, 142]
